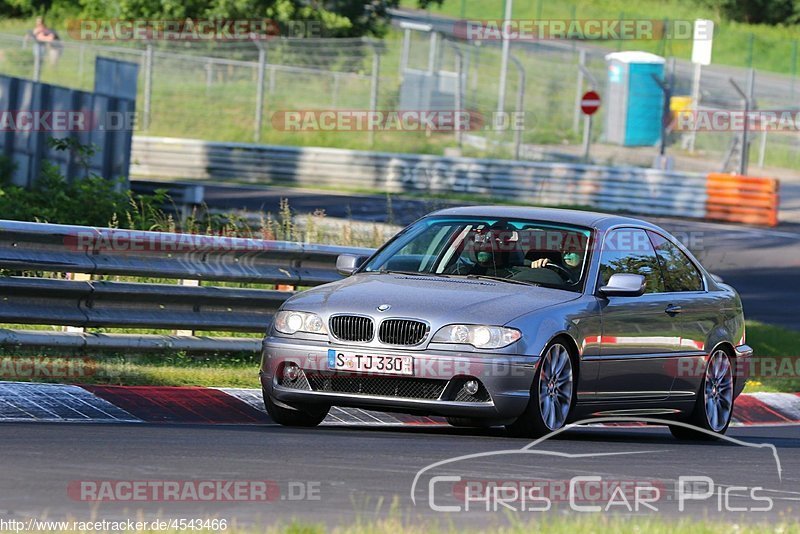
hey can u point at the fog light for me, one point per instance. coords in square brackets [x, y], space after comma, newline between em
[471, 387]
[291, 372]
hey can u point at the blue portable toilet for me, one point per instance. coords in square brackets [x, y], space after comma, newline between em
[635, 102]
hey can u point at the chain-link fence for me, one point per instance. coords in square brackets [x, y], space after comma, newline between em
[229, 91]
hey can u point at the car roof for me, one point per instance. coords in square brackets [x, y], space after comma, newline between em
[591, 219]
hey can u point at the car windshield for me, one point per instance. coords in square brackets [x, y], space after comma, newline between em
[516, 251]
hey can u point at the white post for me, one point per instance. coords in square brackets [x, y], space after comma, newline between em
[695, 102]
[432, 53]
[404, 53]
[576, 117]
[501, 94]
[587, 137]
[762, 153]
[373, 92]
[148, 85]
[257, 123]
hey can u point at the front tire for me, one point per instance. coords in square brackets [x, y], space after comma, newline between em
[714, 406]
[552, 395]
[288, 416]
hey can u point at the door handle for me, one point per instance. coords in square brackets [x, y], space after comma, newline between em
[673, 309]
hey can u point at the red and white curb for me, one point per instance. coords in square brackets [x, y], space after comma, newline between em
[36, 402]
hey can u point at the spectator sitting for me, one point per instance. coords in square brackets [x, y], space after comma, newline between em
[41, 33]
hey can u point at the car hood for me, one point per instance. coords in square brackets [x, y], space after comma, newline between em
[439, 300]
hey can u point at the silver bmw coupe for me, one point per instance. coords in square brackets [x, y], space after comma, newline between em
[523, 317]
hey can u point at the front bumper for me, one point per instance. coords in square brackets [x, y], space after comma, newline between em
[742, 364]
[434, 389]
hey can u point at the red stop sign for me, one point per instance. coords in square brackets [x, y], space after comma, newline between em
[590, 102]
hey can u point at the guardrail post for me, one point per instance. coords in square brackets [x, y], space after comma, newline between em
[190, 283]
[262, 60]
[77, 277]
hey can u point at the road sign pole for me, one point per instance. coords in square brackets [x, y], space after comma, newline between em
[579, 91]
[589, 104]
[587, 137]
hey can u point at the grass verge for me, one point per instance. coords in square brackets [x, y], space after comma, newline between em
[779, 349]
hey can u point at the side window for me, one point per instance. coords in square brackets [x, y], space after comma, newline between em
[628, 250]
[680, 274]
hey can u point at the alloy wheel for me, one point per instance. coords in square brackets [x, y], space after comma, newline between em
[555, 387]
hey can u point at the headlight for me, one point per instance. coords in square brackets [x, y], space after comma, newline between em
[289, 322]
[479, 336]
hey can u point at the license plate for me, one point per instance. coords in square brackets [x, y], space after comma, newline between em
[370, 363]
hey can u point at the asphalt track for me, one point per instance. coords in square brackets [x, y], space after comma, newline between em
[763, 264]
[362, 473]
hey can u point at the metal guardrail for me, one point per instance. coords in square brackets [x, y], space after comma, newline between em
[630, 189]
[97, 303]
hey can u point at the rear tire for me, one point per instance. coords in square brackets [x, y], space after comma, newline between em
[712, 411]
[552, 394]
[302, 417]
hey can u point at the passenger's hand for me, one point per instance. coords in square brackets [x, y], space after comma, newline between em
[538, 264]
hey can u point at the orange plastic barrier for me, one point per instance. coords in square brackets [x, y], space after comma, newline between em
[742, 199]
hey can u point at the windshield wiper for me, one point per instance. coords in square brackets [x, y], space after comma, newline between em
[501, 279]
[410, 273]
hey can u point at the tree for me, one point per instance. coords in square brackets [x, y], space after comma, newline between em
[336, 18]
[771, 12]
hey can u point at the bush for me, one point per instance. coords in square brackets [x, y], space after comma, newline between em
[90, 201]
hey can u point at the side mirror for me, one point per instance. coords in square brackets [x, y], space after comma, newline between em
[624, 285]
[346, 264]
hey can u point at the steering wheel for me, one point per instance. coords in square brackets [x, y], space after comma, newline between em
[460, 266]
[561, 271]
